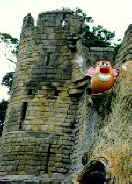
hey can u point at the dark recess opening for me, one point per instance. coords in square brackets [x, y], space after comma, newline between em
[57, 92]
[48, 157]
[95, 174]
[47, 59]
[30, 92]
[23, 114]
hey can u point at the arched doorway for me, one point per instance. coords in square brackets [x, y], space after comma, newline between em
[94, 173]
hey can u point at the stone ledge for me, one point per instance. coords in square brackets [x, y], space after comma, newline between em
[46, 178]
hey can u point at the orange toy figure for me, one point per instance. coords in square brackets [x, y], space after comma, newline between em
[103, 76]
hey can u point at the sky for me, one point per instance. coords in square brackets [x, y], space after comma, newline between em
[114, 15]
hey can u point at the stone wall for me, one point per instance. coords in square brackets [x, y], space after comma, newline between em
[37, 137]
[93, 54]
[111, 140]
[125, 52]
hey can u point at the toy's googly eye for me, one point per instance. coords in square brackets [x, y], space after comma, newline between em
[107, 64]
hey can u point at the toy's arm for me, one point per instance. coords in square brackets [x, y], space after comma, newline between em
[116, 72]
[91, 71]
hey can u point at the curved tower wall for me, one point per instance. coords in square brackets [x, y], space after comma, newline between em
[43, 70]
[37, 136]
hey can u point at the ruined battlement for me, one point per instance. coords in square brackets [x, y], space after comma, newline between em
[64, 21]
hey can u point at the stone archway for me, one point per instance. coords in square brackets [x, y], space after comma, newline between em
[93, 173]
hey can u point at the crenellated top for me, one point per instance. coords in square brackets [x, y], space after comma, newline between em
[65, 20]
[55, 18]
[62, 19]
[28, 21]
[59, 25]
[129, 30]
[28, 25]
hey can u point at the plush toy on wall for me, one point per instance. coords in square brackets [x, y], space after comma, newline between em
[103, 76]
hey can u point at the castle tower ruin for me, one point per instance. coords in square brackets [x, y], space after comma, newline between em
[37, 137]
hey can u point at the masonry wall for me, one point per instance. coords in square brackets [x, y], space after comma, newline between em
[37, 137]
[111, 141]
[125, 52]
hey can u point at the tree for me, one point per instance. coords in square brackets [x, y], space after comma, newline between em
[98, 36]
[7, 80]
[9, 49]
[94, 35]
[3, 107]
[9, 46]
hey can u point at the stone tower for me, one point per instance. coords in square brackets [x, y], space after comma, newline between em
[37, 138]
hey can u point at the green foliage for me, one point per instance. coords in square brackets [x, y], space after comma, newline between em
[10, 41]
[7, 80]
[83, 15]
[3, 107]
[94, 36]
[98, 36]
[7, 37]
[11, 46]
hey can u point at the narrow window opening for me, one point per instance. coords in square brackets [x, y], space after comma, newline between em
[57, 92]
[48, 158]
[30, 92]
[47, 59]
[23, 114]
[64, 21]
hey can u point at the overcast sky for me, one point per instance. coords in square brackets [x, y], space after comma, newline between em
[114, 15]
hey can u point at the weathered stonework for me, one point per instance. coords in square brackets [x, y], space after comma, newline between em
[110, 143]
[54, 130]
[125, 52]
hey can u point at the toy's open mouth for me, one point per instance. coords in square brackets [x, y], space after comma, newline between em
[104, 69]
